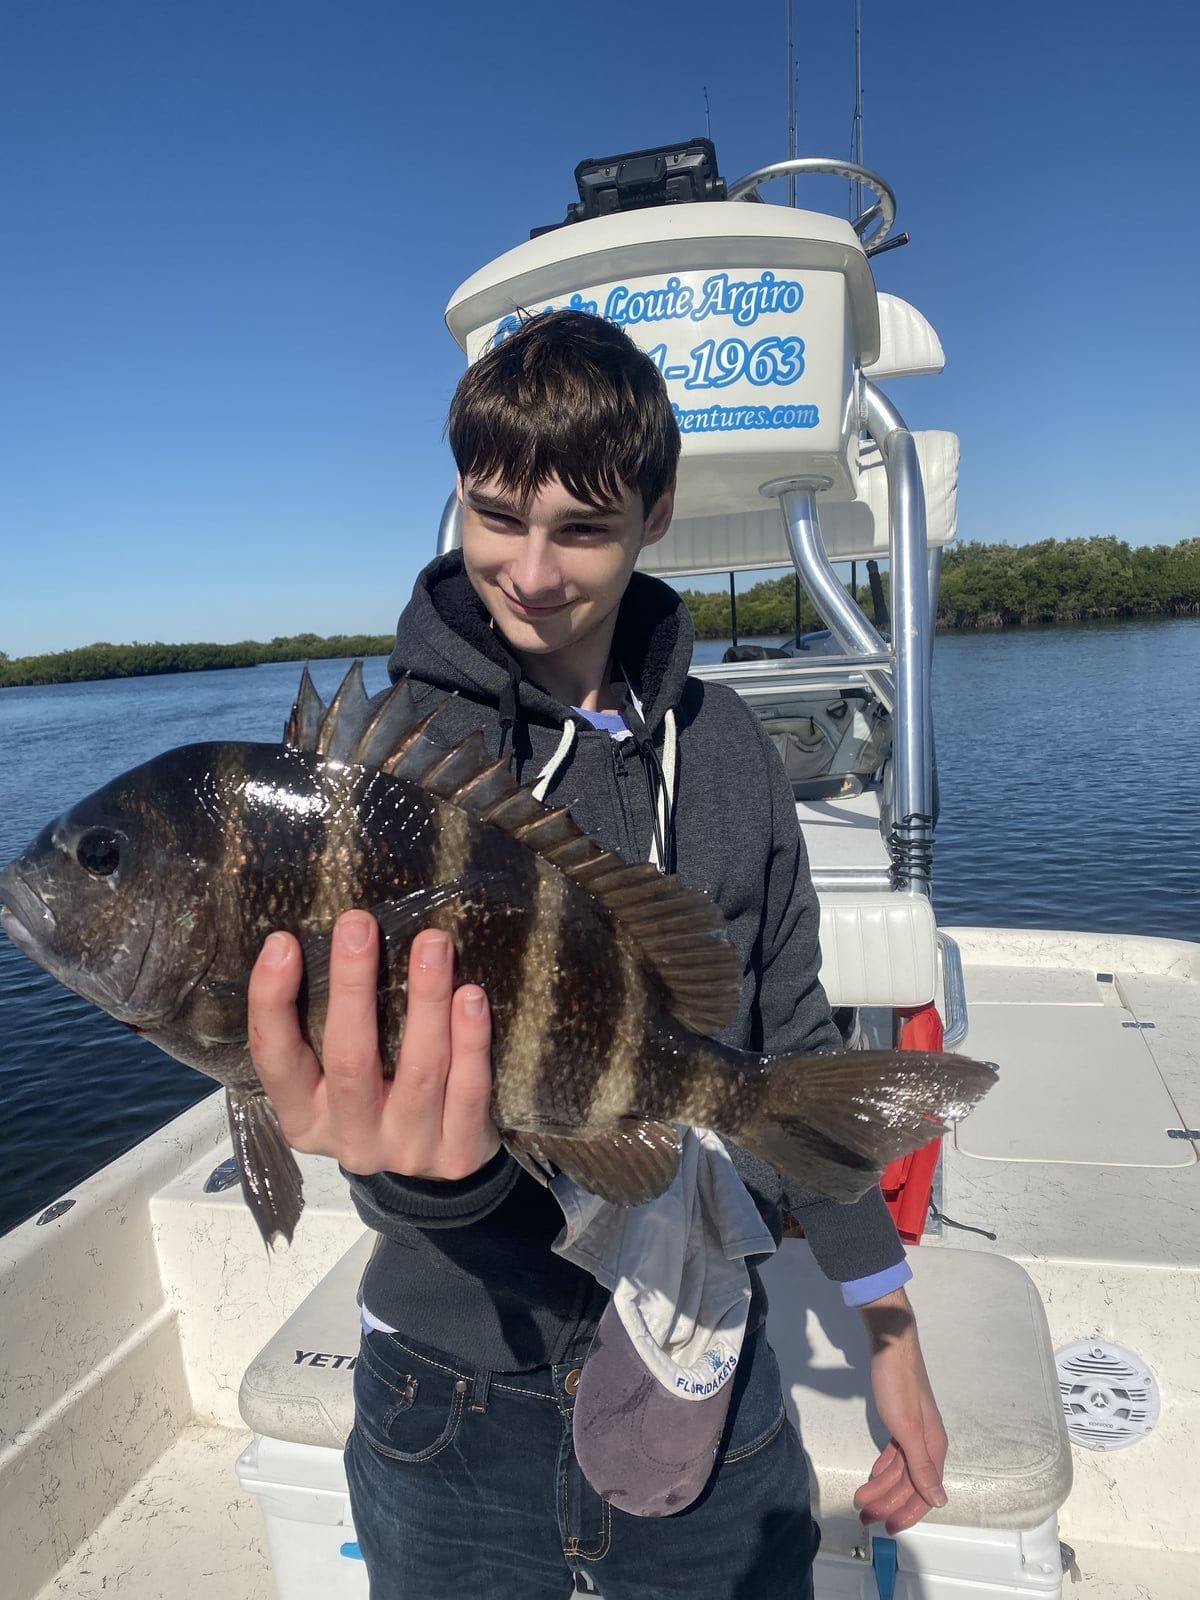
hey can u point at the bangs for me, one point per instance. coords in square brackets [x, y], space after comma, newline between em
[568, 396]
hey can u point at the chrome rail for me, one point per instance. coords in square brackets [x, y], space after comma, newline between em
[904, 685]
[954, 991]
[851, 880]
[911, 838]
[450, 527]
[798, 501]
[883, 211]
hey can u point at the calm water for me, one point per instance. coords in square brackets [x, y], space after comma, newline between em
[1069, 762]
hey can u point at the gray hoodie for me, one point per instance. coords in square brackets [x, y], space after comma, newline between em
[467, 1266]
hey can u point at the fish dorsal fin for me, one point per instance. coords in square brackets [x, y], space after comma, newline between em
[386, 731]
[677, 929]
[304, 724]
[344, 724]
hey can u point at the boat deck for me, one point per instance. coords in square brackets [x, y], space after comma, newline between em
[184, 1527]
[1094, 1200]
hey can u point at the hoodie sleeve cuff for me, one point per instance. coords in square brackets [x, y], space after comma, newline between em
[388, 1202]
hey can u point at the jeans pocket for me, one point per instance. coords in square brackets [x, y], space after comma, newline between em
[406, 1406]
[756, 1407]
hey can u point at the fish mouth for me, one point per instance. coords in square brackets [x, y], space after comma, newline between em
[24, 915]
[31, 925]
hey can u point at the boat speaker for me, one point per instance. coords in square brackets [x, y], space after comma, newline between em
[1110, 1397]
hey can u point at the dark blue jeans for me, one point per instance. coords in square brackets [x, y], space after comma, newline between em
[464, 1486]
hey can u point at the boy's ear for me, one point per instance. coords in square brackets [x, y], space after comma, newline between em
[658, 519]
[458, 486]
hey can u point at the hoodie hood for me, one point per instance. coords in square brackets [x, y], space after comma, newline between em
[445, 638]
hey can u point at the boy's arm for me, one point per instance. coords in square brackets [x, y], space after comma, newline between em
[906, 1480]
[856, 1245]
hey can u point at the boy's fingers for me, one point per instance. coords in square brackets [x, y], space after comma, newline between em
[286, 1067]
[425, 1048]
[466, 1117]
[350, 1049]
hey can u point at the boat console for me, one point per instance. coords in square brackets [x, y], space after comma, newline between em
[769, 332]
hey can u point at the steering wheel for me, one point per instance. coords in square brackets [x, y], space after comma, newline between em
[882, 213]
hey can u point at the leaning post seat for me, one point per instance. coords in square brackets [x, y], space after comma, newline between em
[851, 530]
[878, 949]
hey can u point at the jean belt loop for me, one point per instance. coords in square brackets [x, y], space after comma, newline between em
[481, 1388]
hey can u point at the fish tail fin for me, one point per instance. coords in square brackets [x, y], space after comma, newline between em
[271, 1181]
[832, 1123]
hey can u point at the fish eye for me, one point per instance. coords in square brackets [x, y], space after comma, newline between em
[98, 852]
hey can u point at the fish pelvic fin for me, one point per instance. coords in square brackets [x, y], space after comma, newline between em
[677, 930]
[627, 1163]
[832, 1123]
[271, 1182]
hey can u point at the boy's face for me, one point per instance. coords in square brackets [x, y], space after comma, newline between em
[550, 569]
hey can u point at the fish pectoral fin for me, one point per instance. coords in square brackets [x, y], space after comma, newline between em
[216, 1012]
[271, 1181]
[399, 922]
[627, 1162]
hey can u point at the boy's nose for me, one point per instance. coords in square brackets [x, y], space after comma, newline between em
[534, 573]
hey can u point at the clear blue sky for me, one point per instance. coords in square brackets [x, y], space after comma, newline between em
[230, 228]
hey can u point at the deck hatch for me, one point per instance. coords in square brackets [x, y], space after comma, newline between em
[1092, 1084]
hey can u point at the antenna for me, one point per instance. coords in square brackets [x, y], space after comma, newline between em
[707, 115]
[856, 142]
[791, 100]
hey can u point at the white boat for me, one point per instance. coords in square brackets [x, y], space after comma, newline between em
[173, 1399]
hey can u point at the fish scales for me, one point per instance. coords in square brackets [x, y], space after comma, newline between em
[605, 981]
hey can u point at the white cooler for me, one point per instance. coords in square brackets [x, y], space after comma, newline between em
[297, 1396]
[985, 1339]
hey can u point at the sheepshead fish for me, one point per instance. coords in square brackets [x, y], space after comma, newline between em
[152, 898]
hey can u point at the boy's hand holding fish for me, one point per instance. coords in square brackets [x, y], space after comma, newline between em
[432, 1119]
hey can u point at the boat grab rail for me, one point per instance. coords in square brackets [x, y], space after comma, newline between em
[746, 189]
[954, 992]
[903, 687]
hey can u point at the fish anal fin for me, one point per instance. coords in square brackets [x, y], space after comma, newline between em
[628, 1162]
[271, 1181]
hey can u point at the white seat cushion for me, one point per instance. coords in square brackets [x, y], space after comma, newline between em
[851, 530]
[987, 1347]
[878, 949]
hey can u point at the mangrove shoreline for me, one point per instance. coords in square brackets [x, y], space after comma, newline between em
[984, 586]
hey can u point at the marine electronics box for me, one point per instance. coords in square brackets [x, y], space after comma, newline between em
[985, 1340]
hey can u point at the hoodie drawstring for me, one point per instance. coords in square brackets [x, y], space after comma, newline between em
[665, 806]
[546, 776]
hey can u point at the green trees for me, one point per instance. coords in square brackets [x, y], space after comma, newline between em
[998, 585]
[1068, 580]
[983, 586]
[103, 660]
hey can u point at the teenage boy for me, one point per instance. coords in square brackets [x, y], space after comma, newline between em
[462, 1477]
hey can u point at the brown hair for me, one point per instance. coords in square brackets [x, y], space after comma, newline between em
[568, 395]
